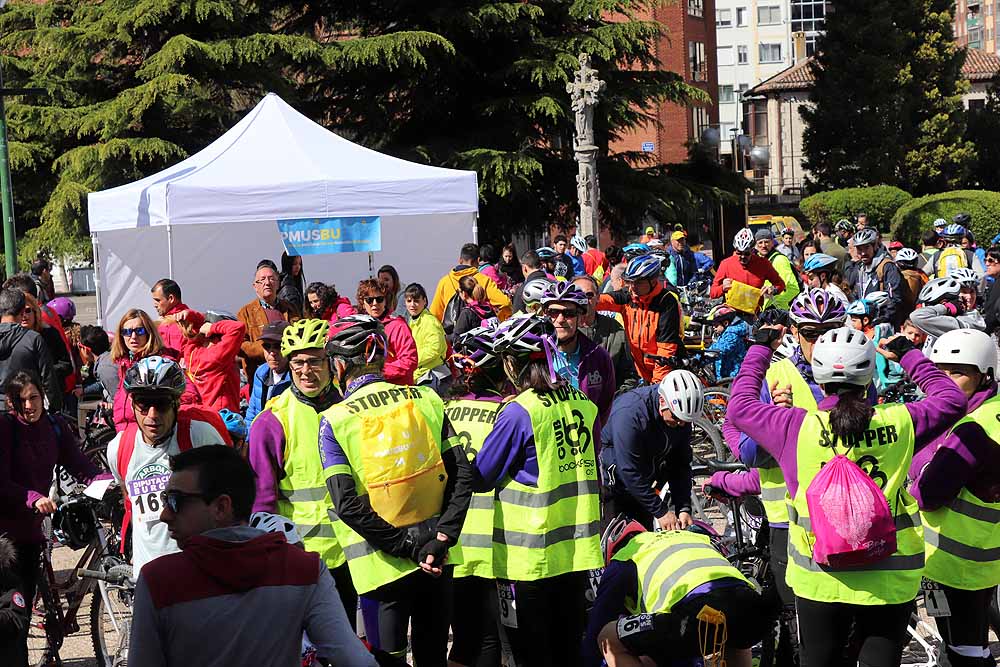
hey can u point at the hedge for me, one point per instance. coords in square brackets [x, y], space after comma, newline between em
[918, 215]
[880, 202]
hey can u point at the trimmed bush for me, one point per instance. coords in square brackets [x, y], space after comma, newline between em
[919, 215]
[880, 203]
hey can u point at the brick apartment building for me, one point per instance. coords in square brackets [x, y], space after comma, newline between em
[977, 23]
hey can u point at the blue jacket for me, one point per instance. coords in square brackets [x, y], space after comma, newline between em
[263, 390]
[682, 267]
[732, 347]
[578, 267]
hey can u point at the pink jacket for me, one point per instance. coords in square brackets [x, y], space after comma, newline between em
[122, 408]
[341, 308]
[501, 279]
[402, 354]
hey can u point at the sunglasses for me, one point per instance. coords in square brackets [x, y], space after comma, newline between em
[138, 331]
[271, 347]
[374, 299]
[161, 403]
[991, 260]
[176, 500]
[569, 314]
[812, 335]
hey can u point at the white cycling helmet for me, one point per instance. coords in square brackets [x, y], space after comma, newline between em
[684, 394]
[965, 276]
[940, 223]
[879, 298]
[907, 255]
[787, 348]
[534, 289]
[579, 243]
[743, 240]
[966, 346]
[845, 356]
[864, 236]
[275, 523]
[938, 290]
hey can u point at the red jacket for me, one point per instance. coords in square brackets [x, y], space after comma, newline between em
[210, 363]
[757, 272]
[594, 258]
[171, 334]
[402, 354]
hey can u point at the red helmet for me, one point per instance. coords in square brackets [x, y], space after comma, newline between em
[618, 533]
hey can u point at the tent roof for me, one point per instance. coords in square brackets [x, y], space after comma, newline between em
[277, 164]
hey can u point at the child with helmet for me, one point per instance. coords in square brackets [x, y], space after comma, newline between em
[731, 340]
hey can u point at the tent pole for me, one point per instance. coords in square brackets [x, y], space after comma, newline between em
[371, 264]
[475, 228]
[97, 278]
[170, 251]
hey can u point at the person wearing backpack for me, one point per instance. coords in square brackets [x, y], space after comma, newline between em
[475, 308]
[140, 454]
[444, 305]
[852, 451]
[953, 256]
[876, 272]
[957, 487]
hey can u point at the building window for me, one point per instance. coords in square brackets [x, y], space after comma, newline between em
[724, 56]
[977, 105]
[723, 18]
[769, 15]
[759, 123]
[696, 61]
[810, 45]
[699, 121]
[976, 38]
[742, 88]
[727, 95]
[696, 8]
[742, 55]
[808, 15]
[770, 53]
[741, 17]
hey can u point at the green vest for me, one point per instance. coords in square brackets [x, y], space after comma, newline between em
[473, 420]
[963, 537]
[376, 423]
[671, 564]
[884, 451]
[773, 491]
[555, 527]
[302, 493]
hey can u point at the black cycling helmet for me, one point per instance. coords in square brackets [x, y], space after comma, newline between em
[155, 375]
[75, 525]
[963, 219]
[357, 336]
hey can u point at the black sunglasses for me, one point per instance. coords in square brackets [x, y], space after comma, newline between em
[176, 500]
[161, 403]
[812, 335]
[138, 331]
[374, 299]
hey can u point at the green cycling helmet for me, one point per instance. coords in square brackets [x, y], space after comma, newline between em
[304, 335]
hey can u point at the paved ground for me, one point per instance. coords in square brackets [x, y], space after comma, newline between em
[86, 309]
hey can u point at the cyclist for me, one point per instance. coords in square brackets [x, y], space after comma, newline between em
[821, 271]
[532, 268]
[863, 315]
[731, 335]
[212, 344]
[670, 596]
[956, 486]
[906, 260]
[140, 454]
[272, 377]
[944, 308]
[531, 295]
[546, 524]
[873, 599]
[652, 315]
[845, 230]
[237, 428]
[876, 272]
[429, 337]
[747, 267]
[764, 243]
[633, 250]
[563, 262]
[478, 396]
[953, 255]
[595, 262]
[647, 441]
[580, 361]
[283, 437]
[577, 249]
[683, 266]
[400, 489]
[608, 333]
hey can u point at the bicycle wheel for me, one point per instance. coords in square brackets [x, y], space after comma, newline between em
[111, 623]
[706, 441]
[716, 401]
[45, 629]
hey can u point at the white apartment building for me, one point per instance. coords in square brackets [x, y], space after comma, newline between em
[755, 40]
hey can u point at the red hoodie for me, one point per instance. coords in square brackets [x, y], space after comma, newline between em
[210, 362]
[170, 332]
[401, 359]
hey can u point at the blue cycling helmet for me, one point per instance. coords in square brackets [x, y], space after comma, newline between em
[633, 250]
[235, 423]
[644, 267]
[861, 308]
[953, 231]
[818, 262]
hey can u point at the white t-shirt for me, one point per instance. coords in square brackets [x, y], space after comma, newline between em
[146, 477]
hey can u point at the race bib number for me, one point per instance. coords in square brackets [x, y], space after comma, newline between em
[508, 606]
[634, 625]
[935, 601]
[147, 497]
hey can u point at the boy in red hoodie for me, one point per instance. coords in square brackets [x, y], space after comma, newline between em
[209, 359]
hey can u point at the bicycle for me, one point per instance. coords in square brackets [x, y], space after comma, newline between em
[100, 572]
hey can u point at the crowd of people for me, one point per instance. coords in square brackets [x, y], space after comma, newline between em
[499, 470]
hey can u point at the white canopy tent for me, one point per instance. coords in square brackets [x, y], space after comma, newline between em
[207, 221]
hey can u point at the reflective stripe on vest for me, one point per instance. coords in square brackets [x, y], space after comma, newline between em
[371, 568]
[473, 420]
[884, 451]
[669, 565]
[302, 494]
[963, 537]
[553, 528]
[773, 491]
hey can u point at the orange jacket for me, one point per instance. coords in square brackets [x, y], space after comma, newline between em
[653, 324]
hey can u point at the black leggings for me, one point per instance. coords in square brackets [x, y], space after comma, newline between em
[348, 595]
[826, 629]
[418, 600]
[968, 627]
[28, 562]
[475, 623]
[788, 635]
[551, 615]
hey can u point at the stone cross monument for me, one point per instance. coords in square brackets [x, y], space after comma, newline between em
[583, 93]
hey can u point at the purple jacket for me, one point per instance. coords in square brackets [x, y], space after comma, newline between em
[28, 453]
[964, 457]
[267, 458]
[597, 376]
[777, 428]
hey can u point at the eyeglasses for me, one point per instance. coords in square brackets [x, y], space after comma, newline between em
[569, 314]
[374, 299]
[176, 500]
[144, 404]
[138, 331]
[313, 364]
[991, 260]
[264, 281]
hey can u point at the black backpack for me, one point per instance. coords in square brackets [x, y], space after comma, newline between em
[451, 312]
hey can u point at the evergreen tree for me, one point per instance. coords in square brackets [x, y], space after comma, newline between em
[983, 130]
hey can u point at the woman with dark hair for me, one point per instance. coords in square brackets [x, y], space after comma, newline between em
[62, 362]
[389, 277]
[870, 601]
[292, 280]
[488, 267]
[323, 303]
[401, 354]
[34, 442]
[429, 337]
[510, 265]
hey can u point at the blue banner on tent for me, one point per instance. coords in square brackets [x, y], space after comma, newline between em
[322, 236]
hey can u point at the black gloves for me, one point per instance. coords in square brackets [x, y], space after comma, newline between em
[899, 346]
[414, 543]
[766, 336]
[436, 548]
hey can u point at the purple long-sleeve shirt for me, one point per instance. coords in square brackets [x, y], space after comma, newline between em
[777, 429]
[964, 457]
[267, 458]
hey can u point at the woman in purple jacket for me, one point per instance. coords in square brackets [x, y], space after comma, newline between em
[873, 599]
[32, 443]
